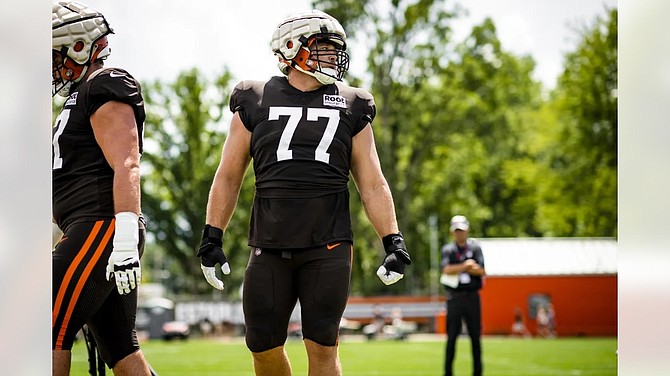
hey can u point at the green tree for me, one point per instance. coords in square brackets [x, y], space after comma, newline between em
[450, 118]
[487, 94]
[468, 147]
[407, 44]
[461, 128]
[581, 197]
[184, 134]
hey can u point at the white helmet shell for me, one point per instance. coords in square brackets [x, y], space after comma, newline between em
[72, 22]
[291, 37]
[78, 36]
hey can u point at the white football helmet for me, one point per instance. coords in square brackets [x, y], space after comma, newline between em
[79, 37]
[296, 42]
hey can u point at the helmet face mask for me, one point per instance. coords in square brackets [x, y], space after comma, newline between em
[58, 70]
[79, 38]
[325, 57]
[313, 43]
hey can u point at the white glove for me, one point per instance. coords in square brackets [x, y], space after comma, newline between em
[211, 253]
[210, 275]
[393, 266]
[389, 277]
[124, 262]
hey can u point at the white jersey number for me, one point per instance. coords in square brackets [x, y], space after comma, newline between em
[61, 122]
[313, 114]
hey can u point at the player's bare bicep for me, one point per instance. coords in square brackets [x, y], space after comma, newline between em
[236, 149]
[115, 131]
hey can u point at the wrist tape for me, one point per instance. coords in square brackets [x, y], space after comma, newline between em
[127, 231]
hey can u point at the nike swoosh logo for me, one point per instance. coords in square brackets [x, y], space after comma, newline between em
[331, 246]
[114, 74]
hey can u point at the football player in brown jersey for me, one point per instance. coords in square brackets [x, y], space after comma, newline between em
[305, 131]
[97, 142]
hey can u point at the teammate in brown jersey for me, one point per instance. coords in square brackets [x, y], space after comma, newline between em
[97, 142]
[305, 133]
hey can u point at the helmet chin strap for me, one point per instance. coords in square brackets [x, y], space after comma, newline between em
[329, 71]
[67, 80]
[322, 77]
[326, 76]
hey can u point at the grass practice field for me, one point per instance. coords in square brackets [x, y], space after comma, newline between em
[416, 357]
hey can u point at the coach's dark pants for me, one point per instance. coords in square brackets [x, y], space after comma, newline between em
[464, 306]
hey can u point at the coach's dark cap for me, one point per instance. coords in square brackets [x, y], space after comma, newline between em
[459, 222]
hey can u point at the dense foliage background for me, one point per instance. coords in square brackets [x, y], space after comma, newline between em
[462, 128]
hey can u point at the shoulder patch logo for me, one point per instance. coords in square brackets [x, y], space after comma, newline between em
[116, 74]
[72, 99]
[334, 101]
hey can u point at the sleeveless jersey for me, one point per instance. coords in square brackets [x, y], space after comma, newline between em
[81, 177]
[301, 149]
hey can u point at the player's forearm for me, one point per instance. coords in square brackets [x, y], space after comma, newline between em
[454, 269]
[127, 188]
[372, 185]
[229, 175]
[477, 271]
[222, 201]
[379, 208]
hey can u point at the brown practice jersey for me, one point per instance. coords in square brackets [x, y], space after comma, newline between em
[81, 177]
[301, 149]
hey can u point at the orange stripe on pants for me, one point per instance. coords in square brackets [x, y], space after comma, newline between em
[84, 276]
[71, 270]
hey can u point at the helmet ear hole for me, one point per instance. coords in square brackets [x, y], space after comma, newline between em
[78, 46]
[289, 44]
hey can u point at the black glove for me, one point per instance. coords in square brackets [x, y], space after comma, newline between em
[211, 253]
[393, 267]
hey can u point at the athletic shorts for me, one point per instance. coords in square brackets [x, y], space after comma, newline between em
[276, 279]
[82, 294]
